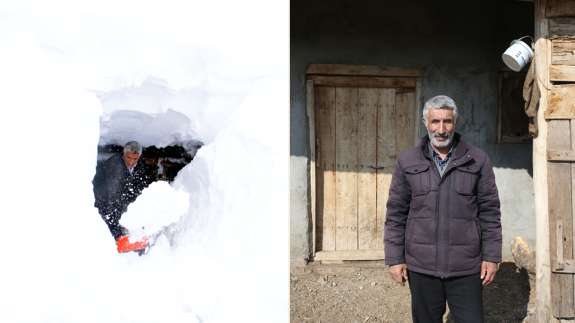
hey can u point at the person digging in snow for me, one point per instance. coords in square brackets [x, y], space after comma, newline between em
[117, 183]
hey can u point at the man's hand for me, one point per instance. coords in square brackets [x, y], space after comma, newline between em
[399, 273]
[488, 270]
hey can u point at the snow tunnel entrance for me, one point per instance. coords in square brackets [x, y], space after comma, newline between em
[135, 150]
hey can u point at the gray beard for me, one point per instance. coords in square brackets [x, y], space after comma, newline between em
[437, 144]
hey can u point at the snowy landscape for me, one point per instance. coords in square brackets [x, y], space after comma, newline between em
[79, 74]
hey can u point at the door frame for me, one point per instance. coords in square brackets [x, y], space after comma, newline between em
[350, 75]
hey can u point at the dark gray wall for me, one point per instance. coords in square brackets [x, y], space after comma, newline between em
[458, 45]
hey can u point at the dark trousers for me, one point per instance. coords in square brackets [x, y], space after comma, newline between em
[111, 214]
[429, 295]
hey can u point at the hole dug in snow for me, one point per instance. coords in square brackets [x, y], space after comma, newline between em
[132, 183]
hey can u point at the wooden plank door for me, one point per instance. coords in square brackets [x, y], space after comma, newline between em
[561, 176]
[560, 117]
[359, 132]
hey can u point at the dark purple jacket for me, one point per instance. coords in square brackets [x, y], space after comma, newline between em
[443, 226]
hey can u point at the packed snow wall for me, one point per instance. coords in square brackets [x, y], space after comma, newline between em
[68, 72]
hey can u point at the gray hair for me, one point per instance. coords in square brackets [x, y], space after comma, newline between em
[132, 147]
[440, 102]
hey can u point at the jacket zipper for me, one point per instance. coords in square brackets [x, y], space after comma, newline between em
[446, 249]
[442, 270]
[454, 164]
[438, 225]
[437, 216]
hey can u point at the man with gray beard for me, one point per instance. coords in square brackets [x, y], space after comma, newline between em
[443, 228]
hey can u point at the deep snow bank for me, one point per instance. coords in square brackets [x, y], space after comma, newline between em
[59, 265]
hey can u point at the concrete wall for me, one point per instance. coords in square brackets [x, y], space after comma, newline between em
[458, 44]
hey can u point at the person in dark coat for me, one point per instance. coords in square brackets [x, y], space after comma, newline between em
[443, 227]
[117, 183]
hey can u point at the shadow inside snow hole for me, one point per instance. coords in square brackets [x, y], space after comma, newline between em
[160, 164]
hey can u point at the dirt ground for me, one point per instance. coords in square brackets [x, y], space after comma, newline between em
[364, 292]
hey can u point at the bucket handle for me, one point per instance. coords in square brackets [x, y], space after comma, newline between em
[531, 38]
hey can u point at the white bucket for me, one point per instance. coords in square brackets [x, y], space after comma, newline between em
[517, 55]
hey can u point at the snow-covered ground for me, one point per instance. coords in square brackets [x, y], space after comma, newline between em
[77, 73]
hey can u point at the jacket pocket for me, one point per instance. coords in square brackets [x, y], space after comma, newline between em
[419, 179]
[466, 179]
[464, 245]
[421, 230]
[463, 232]
[420, 244]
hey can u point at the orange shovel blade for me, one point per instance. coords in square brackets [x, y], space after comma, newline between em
[124, 244]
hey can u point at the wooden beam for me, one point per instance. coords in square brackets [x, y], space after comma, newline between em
[561, 155]
[349, 255]
[565, 267]
[562, 73]
[367, 177]
[560, 8]
[364, 81]
[561, 102]
[569, 236]
[562, 27]
[310, 106]
[362, 70]
[325, 172]
[540, 179]
[563, 52]
[346, 176]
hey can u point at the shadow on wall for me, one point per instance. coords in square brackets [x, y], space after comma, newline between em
[515, 156]
[508, 297]
[458, 43]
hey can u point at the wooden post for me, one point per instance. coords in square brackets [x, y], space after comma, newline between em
[543, 271]
[310, 105]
